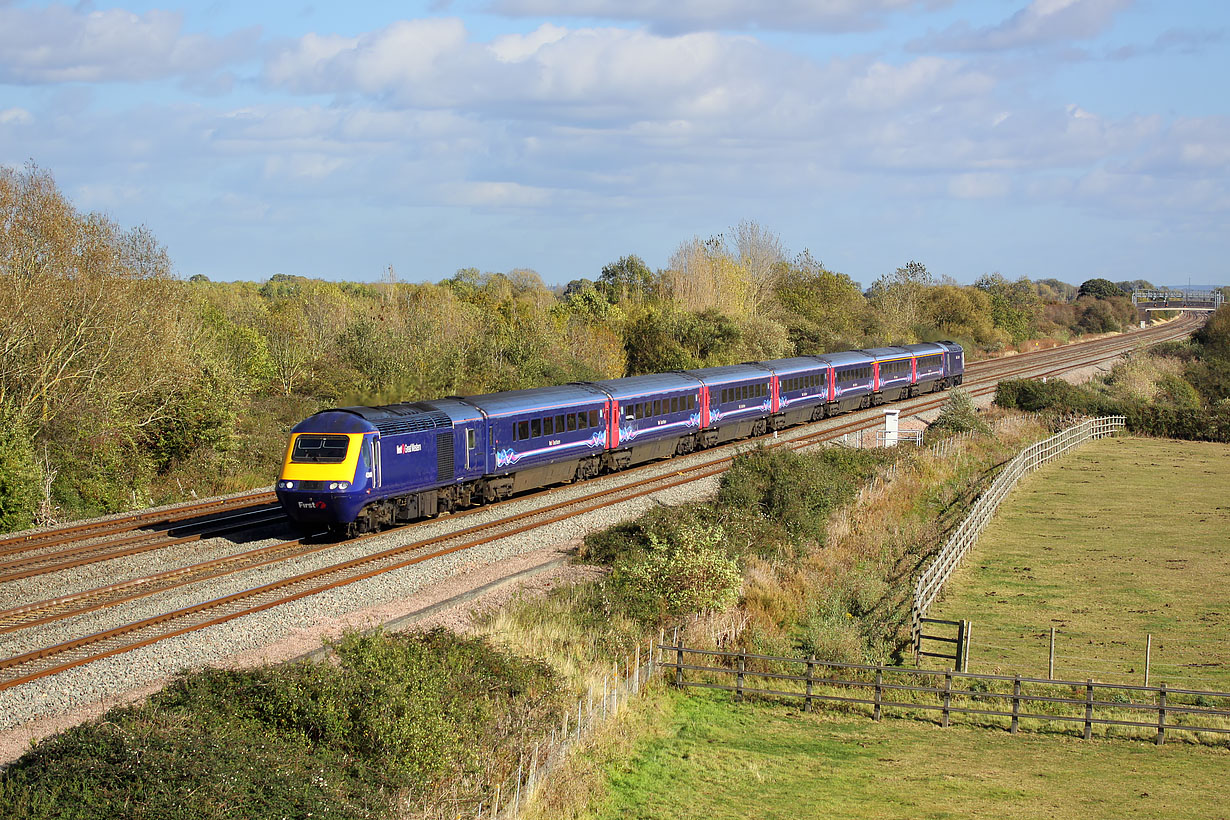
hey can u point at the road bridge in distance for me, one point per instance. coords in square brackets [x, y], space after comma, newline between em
[1203, 300]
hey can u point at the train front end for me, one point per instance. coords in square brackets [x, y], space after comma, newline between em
[327, 473]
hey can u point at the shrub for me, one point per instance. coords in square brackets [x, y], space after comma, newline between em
[775, 496]
[19, 475]
[959, 416]
[387, 722]
[688, 573]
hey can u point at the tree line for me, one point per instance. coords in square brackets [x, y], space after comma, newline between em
[122, 385]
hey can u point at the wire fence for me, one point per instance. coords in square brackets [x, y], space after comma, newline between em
[1082, 655]
[931, 581]
[1005, 700]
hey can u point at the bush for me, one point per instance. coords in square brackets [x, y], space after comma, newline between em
[773, 495]
[688, 573]
[19, 475]
[393, 716]
[959, 416]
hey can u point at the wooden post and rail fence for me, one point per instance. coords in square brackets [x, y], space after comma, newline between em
[1155, 709]
[931, 582]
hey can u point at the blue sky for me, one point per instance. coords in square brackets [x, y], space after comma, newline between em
[1065, 138]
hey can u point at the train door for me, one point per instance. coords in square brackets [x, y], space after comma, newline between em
[611, 409]
[471, 449]
[368, 473]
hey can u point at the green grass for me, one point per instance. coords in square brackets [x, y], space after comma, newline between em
[708, 758]
[1125, 538]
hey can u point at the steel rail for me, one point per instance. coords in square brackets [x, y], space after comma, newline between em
[111, 526]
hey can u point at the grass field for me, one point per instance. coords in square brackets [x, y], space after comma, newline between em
[708, 758]
[1125, 538]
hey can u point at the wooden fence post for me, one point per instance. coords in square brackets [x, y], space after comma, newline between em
[879, 691]
[1051, 673]
[1016, 704]
[1161, 716]
[1088, 708]
[947, 694]
[960, 653]
[807, 701]
[1148, 654]
[739, 681]
[517, 798]
[679, 667]
[968, 640]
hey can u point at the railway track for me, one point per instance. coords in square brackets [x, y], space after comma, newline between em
[50, 660]
[183, 575]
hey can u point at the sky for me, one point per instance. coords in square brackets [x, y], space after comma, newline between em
[1039, 138]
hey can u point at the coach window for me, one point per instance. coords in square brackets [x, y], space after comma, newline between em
[674, 404]
[535, 428]
[657, 407]
[559, 424]
[581, 425]
[548, 426]
[593, 418]
[523, 430]
[572, 422]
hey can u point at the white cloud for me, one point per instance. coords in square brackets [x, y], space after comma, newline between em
[1172, 41]
[57, 44]
[886, 86]
[494, 194]
[513, 48]
[1041, 23]
[15, 116]
[978, 186]
[675, 16]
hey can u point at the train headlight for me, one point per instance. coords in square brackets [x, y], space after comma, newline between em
[333, 485]
[286, 485]
[343, 485]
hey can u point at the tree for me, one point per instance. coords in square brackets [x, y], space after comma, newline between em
[628, 278]
[961, 313]
[1014, 305]
[704, 274]
[898, 301]
[823, 310]
[760, 255]
[1100, 289]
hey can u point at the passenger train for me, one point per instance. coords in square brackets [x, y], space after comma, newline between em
[359, 469]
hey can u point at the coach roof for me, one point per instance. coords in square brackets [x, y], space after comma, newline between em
[847, 357]
[537, 398]
[798, 364]
[730, 373]
[633, 386]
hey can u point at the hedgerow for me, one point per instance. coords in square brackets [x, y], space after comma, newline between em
[1190, 400]
[361, 736]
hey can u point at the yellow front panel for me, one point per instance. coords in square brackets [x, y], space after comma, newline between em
[343, 471]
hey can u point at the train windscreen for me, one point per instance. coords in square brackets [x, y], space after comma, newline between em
[319, 449]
